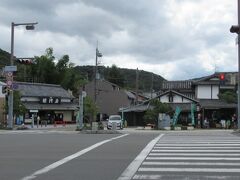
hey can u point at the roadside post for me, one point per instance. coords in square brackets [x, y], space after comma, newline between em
[82, 94]
[236, 29]
[33, 120]
[34, 112]
[9, 70]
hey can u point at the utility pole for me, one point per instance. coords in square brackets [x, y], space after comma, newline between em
[95, 78]
[152, 87]
[98, 54]
[82, 94]
[236, 29]
[136, 98]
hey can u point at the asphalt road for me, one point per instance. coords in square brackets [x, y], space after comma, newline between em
[22, 154]
[49, 155]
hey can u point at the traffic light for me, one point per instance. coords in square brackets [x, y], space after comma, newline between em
[26, 61]
[222, 78]
[235, 29]
[30, 27]
[4, 89]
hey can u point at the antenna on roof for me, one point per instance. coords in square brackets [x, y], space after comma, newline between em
[215, 67]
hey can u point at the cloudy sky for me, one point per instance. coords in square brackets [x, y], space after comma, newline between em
[177, 39]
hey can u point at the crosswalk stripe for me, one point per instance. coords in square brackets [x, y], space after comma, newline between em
[198, 144]
[193, 158]
[157, 177]
[232, 170]
[194, 150]
[200, 141]
[189, 147]
[190, 163]
[181, 157]
[193, 154]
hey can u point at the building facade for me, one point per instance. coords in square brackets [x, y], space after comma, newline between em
[200, 95]
[109, 97]
[51, 102]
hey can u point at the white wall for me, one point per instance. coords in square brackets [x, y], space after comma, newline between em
[164, 99]
[215, 92]
[176, 99]
[207, 91]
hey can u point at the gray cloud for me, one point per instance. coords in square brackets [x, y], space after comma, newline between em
[181, 32]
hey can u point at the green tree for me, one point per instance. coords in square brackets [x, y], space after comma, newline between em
[44, 70]
[115, 76]
[228, 96]
[90, 109]
[151, 115]
[18, 106]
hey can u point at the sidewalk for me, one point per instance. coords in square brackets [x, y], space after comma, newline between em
[67, 127]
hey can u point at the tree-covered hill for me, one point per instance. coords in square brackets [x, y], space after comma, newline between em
[47, 70]
[124, 77]
[4, 58]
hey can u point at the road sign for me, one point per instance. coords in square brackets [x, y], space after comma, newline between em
[84, 93]
[9, 83]
[9, 74]
[14, 86]
[10, 68]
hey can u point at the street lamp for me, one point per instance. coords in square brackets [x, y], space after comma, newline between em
[29, 26]
[235, 29]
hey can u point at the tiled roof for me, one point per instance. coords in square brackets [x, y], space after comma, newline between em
[216, 103]
[40, 90]
[177, 85]
[136, 108]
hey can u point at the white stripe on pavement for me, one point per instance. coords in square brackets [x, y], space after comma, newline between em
[129, 172]
[199, 144]
[200, 141]
[189, 147]
[195, 150]
[68, 158]
[152, 163]
[157, 177]
[236, 170]
[194, 154]
[192, 158]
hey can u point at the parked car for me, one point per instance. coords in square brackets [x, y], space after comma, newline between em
[115, 121]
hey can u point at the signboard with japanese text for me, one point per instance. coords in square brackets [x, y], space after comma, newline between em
[50, 100]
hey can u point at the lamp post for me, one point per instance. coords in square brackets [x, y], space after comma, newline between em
[29, 26]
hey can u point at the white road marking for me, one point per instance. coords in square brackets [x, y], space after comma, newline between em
[68, 158]
[194, 154]
[152, 163]
[201, 141]
[195, 150]
[189, 147]
[193, 158]
[195, 144]
[236, 170]
[157, 177]
[129, 172]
